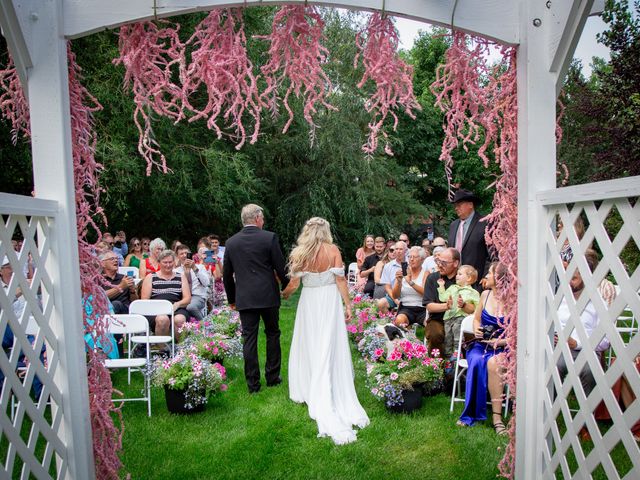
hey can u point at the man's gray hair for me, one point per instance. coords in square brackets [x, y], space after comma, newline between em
[250, 214]
[419, 251]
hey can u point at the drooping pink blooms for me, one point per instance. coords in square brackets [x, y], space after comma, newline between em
[13, 104]
[149, 53]
[107, 438]
[220, 64]
[296, 55]
[393, 78]
[478, 99]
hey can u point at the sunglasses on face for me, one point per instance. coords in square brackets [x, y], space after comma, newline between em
[392, 249]
[136, 244]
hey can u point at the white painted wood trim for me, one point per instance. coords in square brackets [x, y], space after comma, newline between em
[620, 187]
[11, 204]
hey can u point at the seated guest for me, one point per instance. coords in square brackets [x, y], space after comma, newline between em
[465, 278]
[199, 279]
[136, 255]
[589, 319]
[218, 250]
[378, 289]
[403, 237]
[409, 290]
[146, 241]
[165, 284]
[484, 372]
[151, 264]
[368, 266]
[429, 264]
[120, 289]
[363, 252]
[388, 278]
[109, 240]
[448, 262]
[174, 245]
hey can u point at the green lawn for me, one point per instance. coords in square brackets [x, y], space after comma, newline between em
[267, 436]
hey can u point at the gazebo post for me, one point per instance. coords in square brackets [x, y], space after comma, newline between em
[536, 173]
[53, 179]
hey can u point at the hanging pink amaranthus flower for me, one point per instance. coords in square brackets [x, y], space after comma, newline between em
[148, 54]
[107, 438]
[477, 99]
[220, 63]
[378, 46]
[297, 54]
[13, 104]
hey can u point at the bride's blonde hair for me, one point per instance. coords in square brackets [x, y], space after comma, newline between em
[315, 233]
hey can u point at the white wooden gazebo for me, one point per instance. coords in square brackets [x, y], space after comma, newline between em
[546, 33]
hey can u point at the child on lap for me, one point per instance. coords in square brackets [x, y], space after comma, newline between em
[466, 276]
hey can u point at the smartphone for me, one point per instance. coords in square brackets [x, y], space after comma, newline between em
[189, 256]
[404, 269]
[208, 256]
[117, 244]
[130, 273]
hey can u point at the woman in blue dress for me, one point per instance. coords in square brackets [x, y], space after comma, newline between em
[483, 372]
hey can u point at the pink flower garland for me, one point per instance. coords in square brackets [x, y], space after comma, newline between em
[471, 107]
[378, 47]
[107, 438]
[220, 63]
[297, 54]
[13, 104]
[148, 54]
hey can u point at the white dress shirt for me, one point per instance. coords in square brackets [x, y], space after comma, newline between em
[589, 319]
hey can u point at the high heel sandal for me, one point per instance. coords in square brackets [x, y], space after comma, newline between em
[499, 426]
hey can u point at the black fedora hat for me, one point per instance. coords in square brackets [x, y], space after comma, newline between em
[463, 195]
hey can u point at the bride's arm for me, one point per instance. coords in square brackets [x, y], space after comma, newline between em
[341, 282]
[293, 285]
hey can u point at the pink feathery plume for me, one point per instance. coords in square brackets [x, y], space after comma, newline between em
[107, 438]
[220, 62]
[477, 99]
[148, 54]
[393, 78]
[13, 104]
[459, 94]
[297, 54]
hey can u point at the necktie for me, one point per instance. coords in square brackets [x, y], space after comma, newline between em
[460, 236]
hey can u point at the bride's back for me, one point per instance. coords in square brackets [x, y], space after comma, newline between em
[323, 260]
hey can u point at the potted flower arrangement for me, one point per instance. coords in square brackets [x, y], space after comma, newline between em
[216, 348]
[223, 321]
[400, 380]
[188, 380]
[373, 345]
[365, 313]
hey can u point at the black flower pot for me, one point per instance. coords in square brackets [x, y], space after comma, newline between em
[176, 401]
[430, 389]
[412, 400]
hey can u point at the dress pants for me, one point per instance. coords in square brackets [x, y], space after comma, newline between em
[250, 320]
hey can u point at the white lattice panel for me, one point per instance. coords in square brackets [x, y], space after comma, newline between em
[31, 439]
[612, 228]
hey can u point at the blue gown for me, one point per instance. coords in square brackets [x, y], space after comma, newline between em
[475, 399]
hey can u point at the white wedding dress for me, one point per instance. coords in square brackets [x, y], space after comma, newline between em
[320, 368]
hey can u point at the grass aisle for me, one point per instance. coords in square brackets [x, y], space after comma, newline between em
[267, 436]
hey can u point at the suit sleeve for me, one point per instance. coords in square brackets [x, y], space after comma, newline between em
[227, 278]
[278, 261]
[451, 241]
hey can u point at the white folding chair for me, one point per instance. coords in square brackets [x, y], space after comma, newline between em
[352, 275]
[128, 325]
[153, 308]
[126, 270]
[461, 363]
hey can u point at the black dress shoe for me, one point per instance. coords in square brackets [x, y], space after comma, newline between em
[254, 390]
[277, 381]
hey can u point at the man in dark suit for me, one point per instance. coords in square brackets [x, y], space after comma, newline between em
[466, 234]
[252, 260]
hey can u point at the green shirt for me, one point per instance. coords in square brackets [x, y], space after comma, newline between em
[468, 294]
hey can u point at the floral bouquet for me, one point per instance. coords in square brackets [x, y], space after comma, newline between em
[215, 347]
[196, 376]
[409, 366]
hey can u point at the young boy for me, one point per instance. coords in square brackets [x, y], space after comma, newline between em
[466, 276]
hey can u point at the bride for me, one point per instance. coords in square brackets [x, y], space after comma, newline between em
[320, 369]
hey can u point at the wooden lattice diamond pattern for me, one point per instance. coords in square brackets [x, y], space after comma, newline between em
[29, 427]
[611, 226]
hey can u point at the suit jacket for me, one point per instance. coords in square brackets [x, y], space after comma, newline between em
[474, 248]
[252, 258]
